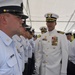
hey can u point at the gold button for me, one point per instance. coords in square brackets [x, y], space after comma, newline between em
[16, 47]
[45, 62]
[48, 41]
[53, 47]
[46, 55]
[47, 48]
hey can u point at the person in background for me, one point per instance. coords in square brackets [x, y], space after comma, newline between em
[35, 37]
[32, 42]
[21, 40]
[52, 54]
[28, 53]
[69, 36]
[43, 29]
[71, 59]
[11, 14]
[74, 35]
[27, 48]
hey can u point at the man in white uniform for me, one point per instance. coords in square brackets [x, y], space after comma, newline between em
[52, 55]
[69, 36]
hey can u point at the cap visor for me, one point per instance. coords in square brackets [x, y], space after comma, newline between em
[23, 16]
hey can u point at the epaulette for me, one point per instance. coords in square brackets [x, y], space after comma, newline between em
[60, 32]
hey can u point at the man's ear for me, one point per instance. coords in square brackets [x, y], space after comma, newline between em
[55, 23]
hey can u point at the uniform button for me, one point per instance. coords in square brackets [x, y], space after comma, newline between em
[53, 47]
[16, 47]
[46, 55]
[47, 48]
[38, 51]
[45, 62]
[48, 41]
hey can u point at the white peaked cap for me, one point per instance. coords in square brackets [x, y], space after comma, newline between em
[10, 3]
[51, 15]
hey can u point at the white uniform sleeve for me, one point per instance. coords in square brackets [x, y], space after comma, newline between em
[38, 54]
[64, 48]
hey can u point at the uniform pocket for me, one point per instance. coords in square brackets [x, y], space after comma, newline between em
[12, 61]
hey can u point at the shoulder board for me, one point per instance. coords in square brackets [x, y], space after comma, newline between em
[60, 32]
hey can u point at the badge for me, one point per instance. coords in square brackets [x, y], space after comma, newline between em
[45, 38]
[54, 41]
[11, 55]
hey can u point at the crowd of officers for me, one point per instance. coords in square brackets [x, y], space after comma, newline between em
[21, 53]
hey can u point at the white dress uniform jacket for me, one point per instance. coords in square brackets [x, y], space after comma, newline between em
[36, 48]
[52, 54]
[9, 58]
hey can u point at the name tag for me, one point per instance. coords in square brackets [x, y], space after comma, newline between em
[11, 55]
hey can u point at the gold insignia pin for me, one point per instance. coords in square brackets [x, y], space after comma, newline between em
[49, 15]
[4, 10]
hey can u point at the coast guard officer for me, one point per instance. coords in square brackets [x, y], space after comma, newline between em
[69, 36]
[53, 46]
[28, 50]
[10, 24]
[31, 40]
[22, 48]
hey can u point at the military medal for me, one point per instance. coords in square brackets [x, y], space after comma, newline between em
[45, 38]
[54, 41]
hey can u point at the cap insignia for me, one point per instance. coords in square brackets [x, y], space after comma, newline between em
[49, 15]
[4, 10]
